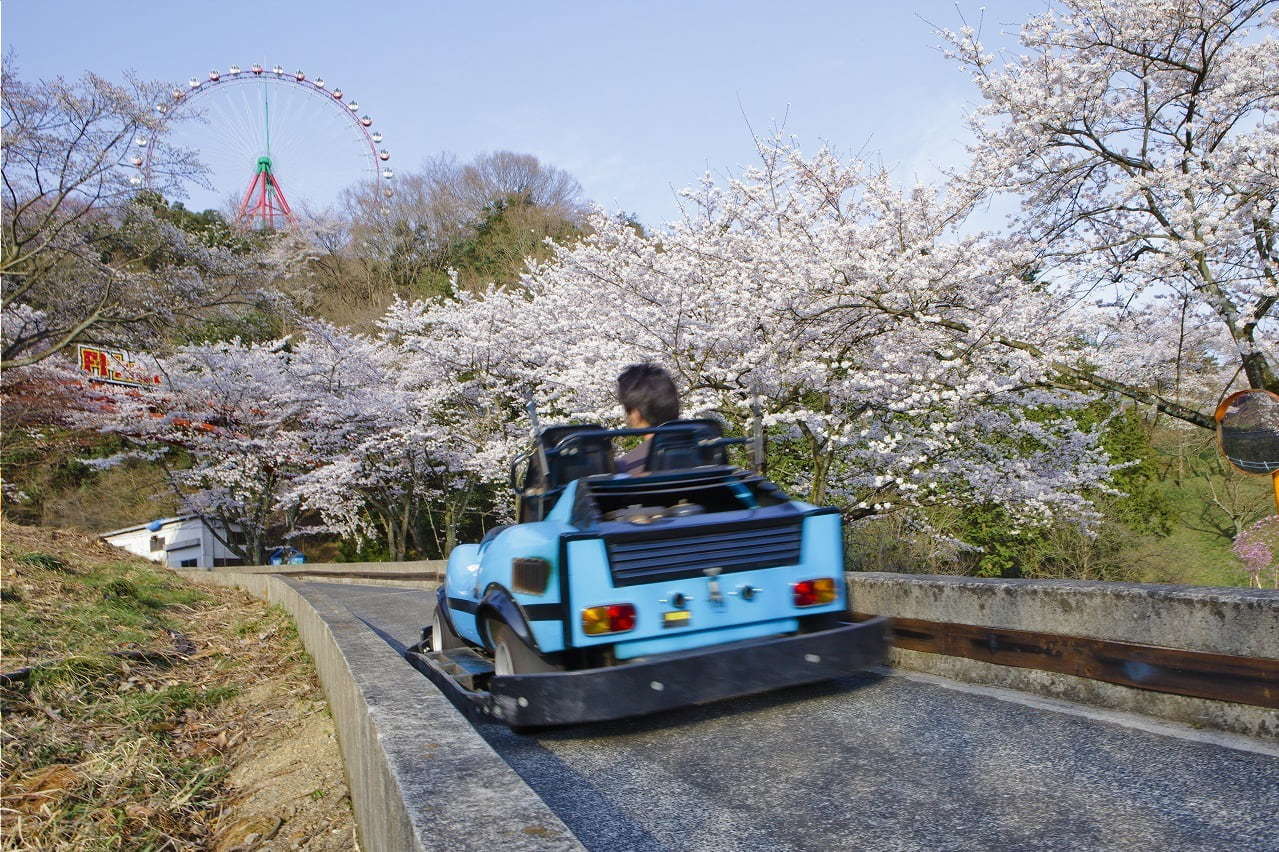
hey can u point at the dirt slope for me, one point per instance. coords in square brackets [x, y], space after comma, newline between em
[156, 714]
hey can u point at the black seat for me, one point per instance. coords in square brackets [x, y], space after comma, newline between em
[583, 457]
[681, 444]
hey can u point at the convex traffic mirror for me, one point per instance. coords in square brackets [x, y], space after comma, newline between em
[1248, 430]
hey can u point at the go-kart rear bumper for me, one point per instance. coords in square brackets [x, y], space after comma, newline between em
[692, 677]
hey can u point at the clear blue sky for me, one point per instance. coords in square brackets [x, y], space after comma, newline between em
[634, 99]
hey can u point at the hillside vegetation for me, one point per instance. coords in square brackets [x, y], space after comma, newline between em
[1180, 509]
[142, 712]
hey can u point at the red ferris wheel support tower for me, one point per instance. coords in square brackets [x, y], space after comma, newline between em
[264, 204]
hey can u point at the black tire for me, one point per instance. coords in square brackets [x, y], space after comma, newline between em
[442, 636]
[512, 656]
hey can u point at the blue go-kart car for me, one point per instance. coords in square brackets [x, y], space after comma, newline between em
[617, 595]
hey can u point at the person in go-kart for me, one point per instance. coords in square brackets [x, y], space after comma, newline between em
[649, 398]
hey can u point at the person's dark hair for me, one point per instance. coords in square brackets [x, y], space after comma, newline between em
[648, 389]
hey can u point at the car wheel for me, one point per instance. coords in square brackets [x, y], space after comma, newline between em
[512, 656]
[442, 636]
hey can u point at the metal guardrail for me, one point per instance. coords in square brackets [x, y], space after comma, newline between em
[1220, 677]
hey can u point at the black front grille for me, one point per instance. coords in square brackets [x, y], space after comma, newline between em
[648, 559]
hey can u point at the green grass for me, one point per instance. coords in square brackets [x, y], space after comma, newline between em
[110, 727]
[1203, 493]
[113, 739]
[171, 702]
[100, 608]
[44, 561]
[106, 752]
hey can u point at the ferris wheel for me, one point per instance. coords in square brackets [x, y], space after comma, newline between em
[256, 131]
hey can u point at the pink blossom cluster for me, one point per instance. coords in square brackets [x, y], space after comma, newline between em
[1258, 548]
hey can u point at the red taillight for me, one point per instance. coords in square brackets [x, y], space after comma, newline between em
[621, 617]
[612, 618]
[814, 592]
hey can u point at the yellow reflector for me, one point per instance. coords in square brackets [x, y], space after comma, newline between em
[595, 620]
[677, 618]
[824, 589]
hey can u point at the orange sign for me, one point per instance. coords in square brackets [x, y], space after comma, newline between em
[112, 365]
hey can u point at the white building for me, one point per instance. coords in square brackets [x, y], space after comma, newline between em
[182, 542]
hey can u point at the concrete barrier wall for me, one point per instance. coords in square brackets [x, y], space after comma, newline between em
[419, 774]
[1239, 622]
[388, 570]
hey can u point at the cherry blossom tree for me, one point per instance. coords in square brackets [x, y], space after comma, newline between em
[382, 458]
[452, 358]
[224, 427]
[1140, 138]
[81, 260]
[347, 430]
[873, 333]
[1258, 548]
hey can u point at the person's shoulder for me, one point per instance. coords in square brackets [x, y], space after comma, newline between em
[631, 460]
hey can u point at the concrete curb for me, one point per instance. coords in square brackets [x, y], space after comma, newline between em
[1214, 619]
[420, 776]
[389, 570]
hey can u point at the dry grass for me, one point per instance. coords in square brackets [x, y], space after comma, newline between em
[112, 498]
[103, 752]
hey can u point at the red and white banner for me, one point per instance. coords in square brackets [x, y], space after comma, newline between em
[114, 366]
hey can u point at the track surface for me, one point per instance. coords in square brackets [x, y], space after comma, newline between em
[874, 762]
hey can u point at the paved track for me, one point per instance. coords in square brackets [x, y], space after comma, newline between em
[875, 762]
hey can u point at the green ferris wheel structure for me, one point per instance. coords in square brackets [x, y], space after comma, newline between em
[241, 102]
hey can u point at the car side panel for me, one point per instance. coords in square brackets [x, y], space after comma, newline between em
[475, 568]
[538, 540]
[459, 588]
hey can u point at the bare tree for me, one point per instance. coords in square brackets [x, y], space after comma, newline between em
[402, 238]
[81, 256]
[482, 219]
[505, 176]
